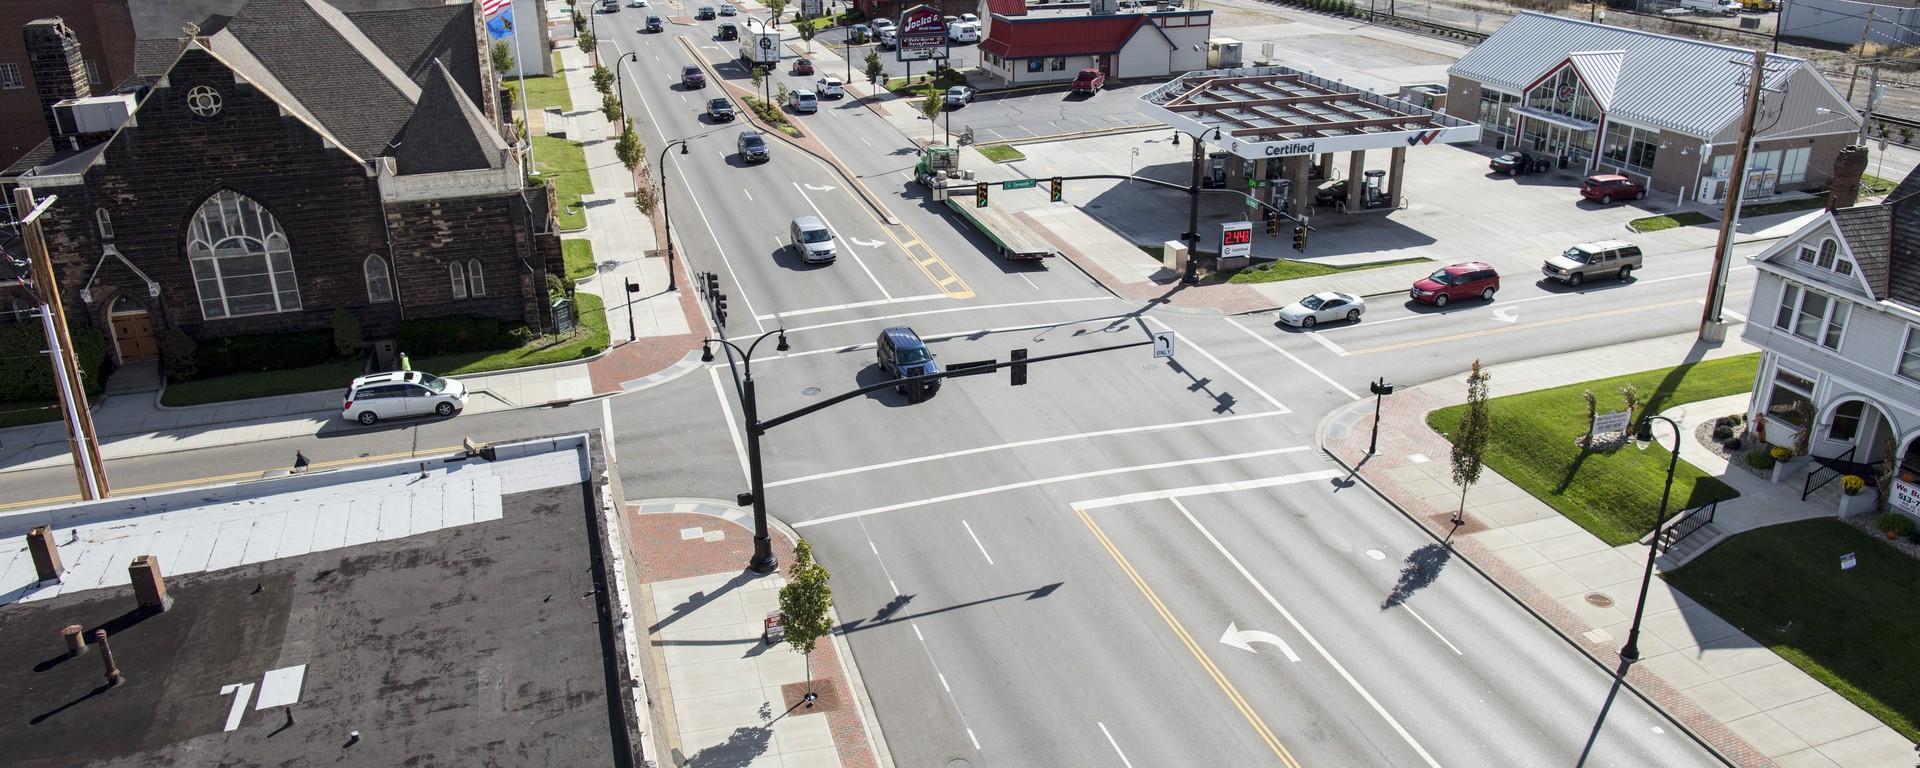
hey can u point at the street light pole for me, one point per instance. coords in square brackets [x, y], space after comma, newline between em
[1193, 202]
[1380, 390]
[666, 217]
[1644, 436]
[619, 82]
[763, 560]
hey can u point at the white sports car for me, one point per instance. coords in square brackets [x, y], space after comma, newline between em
[1323, 306]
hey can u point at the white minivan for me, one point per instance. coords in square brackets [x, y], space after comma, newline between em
[399, 394]
[803, 102]
[811, 239]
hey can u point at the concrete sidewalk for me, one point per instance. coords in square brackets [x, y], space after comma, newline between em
[720, 694]
[1735, 694]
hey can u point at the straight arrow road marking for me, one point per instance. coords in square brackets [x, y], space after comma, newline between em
[1244, 639]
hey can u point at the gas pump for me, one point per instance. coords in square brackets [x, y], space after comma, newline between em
[1374, 194]
[1281, 196]
[1216, 177]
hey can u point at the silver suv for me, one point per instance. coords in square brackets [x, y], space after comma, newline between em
[1618, 258]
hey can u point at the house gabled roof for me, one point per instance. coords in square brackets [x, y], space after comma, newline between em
[1020, 37]
[1686, 85]
[447, 132]
[1600, 70]
[1902, 283]
[415, 38]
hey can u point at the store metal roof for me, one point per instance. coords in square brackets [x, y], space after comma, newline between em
[1276, 112]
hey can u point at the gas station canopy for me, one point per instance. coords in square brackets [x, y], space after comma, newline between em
[1264, 112]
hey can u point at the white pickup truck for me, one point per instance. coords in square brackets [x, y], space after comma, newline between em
[1712, 7]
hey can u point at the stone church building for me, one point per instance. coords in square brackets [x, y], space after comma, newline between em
[277, 164]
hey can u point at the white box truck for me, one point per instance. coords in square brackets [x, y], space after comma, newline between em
[1712, 7]
[761, 48]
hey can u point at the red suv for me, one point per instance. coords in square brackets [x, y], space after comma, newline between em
[1608, 187]
[1460, 281]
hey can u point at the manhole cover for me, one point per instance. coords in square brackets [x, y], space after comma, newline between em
[1598, 600]
[958, 763]
[810, 391]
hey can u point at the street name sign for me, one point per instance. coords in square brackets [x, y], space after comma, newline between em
[1019, 184]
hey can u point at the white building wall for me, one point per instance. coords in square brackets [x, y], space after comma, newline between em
[1189, 46]
[1840, 21]
[533, 54]
[1146, 55]
[1016, 71]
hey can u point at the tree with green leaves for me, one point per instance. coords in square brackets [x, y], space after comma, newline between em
[502, 56]
[588, 42]
[876, 71]
[806, 603]
[629, 149]
[774, 9]
[1471, 437]
[930, 108]
[806, 30]
[610, 107]
[602, 79]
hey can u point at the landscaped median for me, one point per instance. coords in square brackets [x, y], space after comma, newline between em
[1614, 492]
[1288, 269]
[1853, 630]
[1669, 221]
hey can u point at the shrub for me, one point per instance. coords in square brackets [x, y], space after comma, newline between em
[1722, 432]
[177, 356]
[1731, 444]
[28, 374]
[1896, 524]
[1851, 484]
[432, 336]
[347, 336]
[254, 353]
[1760, 459]
[1728, 421]
[1780, 453]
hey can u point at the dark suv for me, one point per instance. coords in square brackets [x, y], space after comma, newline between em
[902, 354]
[729, 32]
[692, 77]
[1516, 163]
[720, 110]
[1460, 281]
[752, 146]
[653, 24]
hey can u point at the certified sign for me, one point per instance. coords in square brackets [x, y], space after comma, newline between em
[1236, 240]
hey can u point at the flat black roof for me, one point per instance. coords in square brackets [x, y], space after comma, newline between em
[465, 646]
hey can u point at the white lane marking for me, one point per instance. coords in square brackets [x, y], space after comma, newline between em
[606, 428]
[866, 243]
[895, 587]
[960, 334]
[968, 308]
[743, 190]
[943, 682]
[1506, 315]
[1065, 479]
[1191, 344]
[1296, 361]
[1325, 342]
[924, 647]
[974, 739]
[1542, 297]
[738, 288]
[850, 252]
[1723, 310]
[1199, 490]
[916, 628]
[976, 542]
[863, 140]
[726, 412]
[1022, 444]
[857, 305]
[1243, 639]
[876, 550]
[281, 687]
[821, 188]
[1436, 633]
[1029, 282]
[242, 692]
[1322, 650]
[1116, 745]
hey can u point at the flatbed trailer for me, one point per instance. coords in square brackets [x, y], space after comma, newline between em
[1015, 241]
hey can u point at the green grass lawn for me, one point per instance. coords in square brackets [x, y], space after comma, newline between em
[1000, 153]
[240, 386]
[14, 414]
[1878, 186]
[589, 341]
[542, 92]
[1681, 219]
[1286, 269]
[579, 255]
[1784, 206]
[1615, 494]
[564, 163]
[1853, 630]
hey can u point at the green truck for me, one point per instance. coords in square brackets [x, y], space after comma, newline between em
[1014, 240]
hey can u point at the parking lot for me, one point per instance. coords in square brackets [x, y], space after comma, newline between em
[1025, 113]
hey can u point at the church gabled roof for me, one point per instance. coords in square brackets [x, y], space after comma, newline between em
[446, 132]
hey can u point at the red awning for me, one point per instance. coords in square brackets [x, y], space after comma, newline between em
[1028, 38]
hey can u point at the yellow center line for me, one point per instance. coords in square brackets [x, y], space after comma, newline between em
[1219, 678]
[1535, 324]
[140, 489]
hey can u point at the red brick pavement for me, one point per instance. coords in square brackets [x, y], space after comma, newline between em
[1404, 430]
[664, 556]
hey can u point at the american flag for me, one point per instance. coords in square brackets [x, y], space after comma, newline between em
[489, 8]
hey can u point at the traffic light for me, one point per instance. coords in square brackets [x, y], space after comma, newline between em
[1054, 193]
[1019, 367]
[720, 309]
[1300, 238]
[713, 284]
[1273, 222]
[980, 194]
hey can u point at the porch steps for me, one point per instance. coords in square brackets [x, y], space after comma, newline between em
[1701, 540]
[131, 378]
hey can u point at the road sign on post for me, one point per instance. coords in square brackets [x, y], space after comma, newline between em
[922, 33]
[1163, 344]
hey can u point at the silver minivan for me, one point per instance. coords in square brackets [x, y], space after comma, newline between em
[1618, 258]
[398, 394]
[811, 239]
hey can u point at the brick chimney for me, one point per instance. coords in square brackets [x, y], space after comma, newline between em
[56, 66]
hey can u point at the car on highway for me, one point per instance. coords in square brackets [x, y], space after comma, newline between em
[654, 24]
[727, 9]
[1325, 306]
[803, 66]
[636, 3]
[705, 13]
[803, 102]
[959, 96]
[727, 32]
[399, 394]
[1457, 281]
[1604, 188]
[1334, 194]
[811, 239]
[902, 354]
[831, 88]
[1516, 163]
[720, 110]
[692, 77]
[1618, 258]
[752, 147]
[609, 6]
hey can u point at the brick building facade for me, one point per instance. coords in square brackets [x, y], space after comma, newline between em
[103, 28]
[285, 166]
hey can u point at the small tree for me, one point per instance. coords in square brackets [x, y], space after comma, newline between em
[588, 42]
[602, 79]
[806, 30]
[502, 56]
[876, 71]
[644, 198]
[805, 603]
[1470, 439]
[774, 9]
[610, 107]
[931, 109]
[347, 337]
[629, 148]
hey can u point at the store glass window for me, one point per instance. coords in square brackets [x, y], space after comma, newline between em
[1791, 392]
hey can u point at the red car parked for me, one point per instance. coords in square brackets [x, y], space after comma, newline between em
[1605, 188]
[803, 67]
[1460, 281]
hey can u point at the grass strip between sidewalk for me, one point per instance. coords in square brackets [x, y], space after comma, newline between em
[1288, 269]
[578, 252]
[588, 341]
[563, 163]
[243, 386]
[1670, 221]
[1855, 631]
[1614, 494]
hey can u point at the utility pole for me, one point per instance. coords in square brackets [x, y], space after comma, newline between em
[81, 440]
[1713, 328]
[1865, 29]
[1873, 94]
